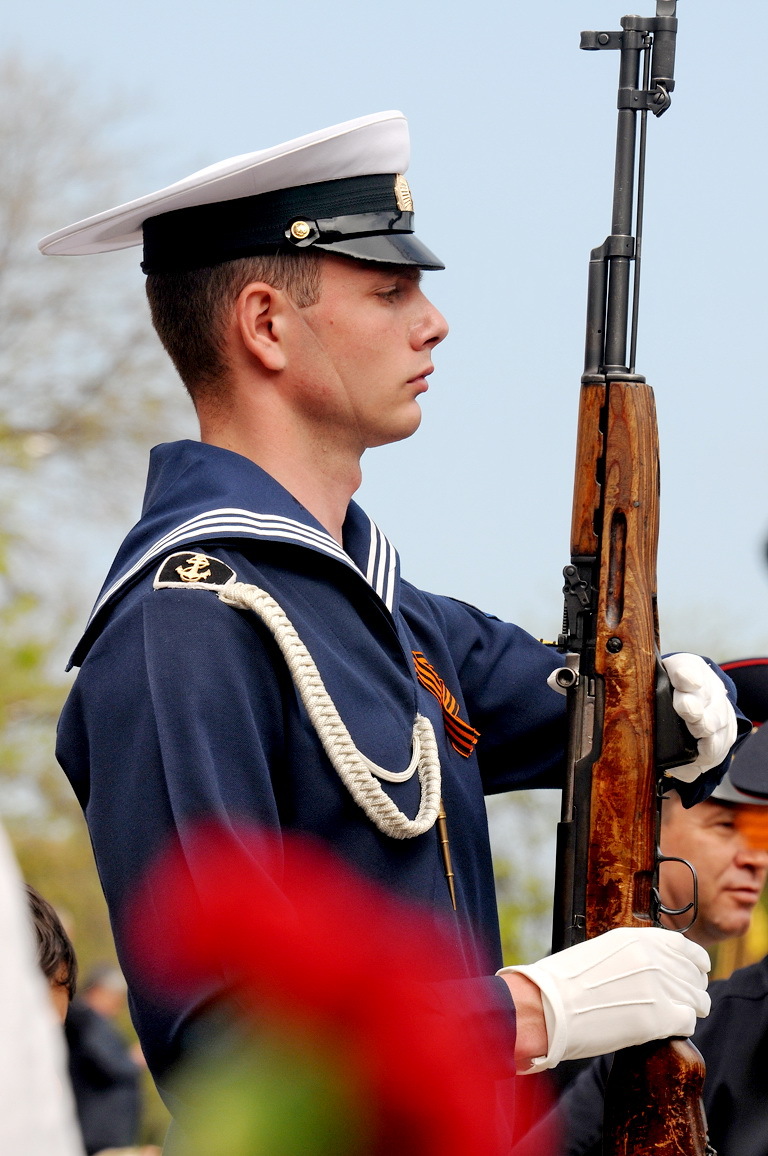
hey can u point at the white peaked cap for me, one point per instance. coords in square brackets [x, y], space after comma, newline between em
[374, 144]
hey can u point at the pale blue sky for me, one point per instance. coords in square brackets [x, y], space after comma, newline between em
[512, 130]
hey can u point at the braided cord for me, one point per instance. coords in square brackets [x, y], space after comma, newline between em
[358, 774]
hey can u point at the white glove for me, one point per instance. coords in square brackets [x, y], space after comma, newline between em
[700, 698]
[625, 987]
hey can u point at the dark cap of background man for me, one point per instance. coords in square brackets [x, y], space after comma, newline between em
[748, 772]
[340, 189]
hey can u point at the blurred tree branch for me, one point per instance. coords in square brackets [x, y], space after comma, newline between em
[84, 390]
[84, 384]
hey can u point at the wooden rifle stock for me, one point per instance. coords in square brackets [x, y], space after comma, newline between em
[618, 699]
[610, 831]
[621, 851]
[653, 1101]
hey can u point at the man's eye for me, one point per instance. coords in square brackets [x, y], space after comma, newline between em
[389, 294]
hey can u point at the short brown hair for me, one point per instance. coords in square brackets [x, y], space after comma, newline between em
[189, 309]
[55, 953]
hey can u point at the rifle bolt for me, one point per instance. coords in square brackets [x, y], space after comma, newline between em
[614, 645]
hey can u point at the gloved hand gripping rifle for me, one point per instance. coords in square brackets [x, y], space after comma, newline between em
[623, 733]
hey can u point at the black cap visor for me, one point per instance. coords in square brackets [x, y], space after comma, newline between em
[386, 249]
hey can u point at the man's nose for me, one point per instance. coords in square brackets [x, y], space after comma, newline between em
[754, 857]
[431, 328]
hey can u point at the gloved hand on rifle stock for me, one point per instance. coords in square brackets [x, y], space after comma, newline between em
[701, 700]
[625, 987]
[632, 984]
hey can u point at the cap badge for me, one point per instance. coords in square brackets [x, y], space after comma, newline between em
[403, 194]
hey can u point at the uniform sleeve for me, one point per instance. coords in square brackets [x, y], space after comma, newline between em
[503, 671]
[502, 674]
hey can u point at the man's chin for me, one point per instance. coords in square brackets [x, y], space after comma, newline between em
[735, 927]
[399, 432]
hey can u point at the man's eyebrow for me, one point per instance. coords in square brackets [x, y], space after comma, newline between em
[722, 807]
[409, 272]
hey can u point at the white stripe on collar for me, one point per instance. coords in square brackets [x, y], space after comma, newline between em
[382, 565]
[229, 522]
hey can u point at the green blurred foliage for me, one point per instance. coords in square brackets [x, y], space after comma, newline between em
[525, 908]
[522, 827]
[270, 1094]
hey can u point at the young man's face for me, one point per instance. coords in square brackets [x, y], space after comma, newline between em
[365, 352]
[731, 873]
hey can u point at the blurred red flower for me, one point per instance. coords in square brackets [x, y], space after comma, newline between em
[311, 953]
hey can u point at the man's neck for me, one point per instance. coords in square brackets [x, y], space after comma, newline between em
[322, 480]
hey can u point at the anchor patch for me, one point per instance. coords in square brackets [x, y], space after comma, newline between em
[189, 568]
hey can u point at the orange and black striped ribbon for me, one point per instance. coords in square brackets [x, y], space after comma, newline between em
[462, 736]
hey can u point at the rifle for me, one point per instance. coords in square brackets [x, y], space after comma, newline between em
[624, 736]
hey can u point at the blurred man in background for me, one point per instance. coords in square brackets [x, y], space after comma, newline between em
[105, 1074]
[728, 848]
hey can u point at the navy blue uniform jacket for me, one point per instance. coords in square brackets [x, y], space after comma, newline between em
[184, 707]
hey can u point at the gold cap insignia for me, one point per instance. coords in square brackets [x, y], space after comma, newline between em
[300, 230]
[403, 194]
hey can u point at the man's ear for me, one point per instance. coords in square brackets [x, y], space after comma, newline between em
[260, 317]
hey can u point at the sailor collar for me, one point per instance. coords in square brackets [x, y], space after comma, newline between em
[198, 492]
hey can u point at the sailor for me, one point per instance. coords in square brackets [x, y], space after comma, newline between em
[255, 653]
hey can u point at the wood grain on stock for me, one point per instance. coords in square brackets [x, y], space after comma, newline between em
[586, 491]
[653, 1101]
[622, 828]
